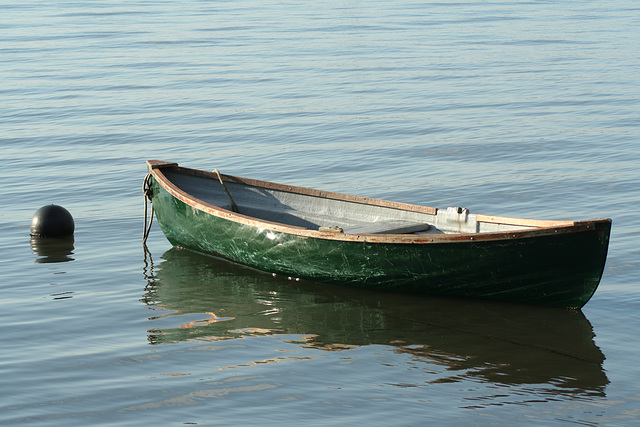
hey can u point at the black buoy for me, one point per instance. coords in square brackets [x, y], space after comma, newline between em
[52, 221]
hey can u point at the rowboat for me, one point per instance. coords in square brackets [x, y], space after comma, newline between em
[356, 241]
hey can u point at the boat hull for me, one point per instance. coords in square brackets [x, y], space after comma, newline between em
[561, 269]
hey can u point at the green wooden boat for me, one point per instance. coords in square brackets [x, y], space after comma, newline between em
[377, 244]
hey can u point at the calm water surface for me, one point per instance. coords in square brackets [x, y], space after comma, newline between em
[518, 108]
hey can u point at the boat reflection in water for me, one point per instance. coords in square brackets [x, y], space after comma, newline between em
[502, 343]
[52, 249]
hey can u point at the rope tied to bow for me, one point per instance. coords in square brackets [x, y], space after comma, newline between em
[147, 191]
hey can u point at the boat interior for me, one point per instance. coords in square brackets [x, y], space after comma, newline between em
[324, 212]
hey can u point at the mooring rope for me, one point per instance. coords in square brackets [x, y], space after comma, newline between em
[234, 207]
[148, 194]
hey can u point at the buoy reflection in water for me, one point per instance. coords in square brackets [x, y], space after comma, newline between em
[50, 249]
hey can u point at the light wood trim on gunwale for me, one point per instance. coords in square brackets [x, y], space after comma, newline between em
[521, 221]
[542, 227]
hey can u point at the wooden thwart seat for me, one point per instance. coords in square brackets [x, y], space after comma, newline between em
[387, 227]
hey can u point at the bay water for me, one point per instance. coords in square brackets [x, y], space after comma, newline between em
[512, 108]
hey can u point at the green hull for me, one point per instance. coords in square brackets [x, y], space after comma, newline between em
[561, 269]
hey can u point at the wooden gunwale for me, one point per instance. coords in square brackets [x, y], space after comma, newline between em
[543, 227]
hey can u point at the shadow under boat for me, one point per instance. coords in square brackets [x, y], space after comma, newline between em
[198, 298]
